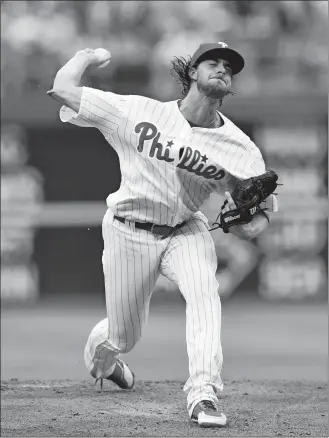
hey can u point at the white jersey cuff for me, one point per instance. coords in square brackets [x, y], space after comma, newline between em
[67, 115]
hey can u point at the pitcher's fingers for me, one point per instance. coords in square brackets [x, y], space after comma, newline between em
[230, 201]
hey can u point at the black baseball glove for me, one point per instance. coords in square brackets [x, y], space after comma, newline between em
[247, 196]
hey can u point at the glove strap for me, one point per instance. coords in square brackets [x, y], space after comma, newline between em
[218, 224]
[236, 217]
[262, 211]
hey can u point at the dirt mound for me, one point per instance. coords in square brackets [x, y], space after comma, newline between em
[78, 408]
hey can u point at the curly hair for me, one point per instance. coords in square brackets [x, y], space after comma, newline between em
[180, 71]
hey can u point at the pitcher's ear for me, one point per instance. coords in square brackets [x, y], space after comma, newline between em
[193, 73]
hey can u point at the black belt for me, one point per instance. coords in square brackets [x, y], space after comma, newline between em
[162, 230]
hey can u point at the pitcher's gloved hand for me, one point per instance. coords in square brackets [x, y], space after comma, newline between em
[244, 203]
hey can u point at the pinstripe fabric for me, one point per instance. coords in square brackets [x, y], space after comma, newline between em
[168, 170]
[132, 261]
[153, 189]
[190, 261]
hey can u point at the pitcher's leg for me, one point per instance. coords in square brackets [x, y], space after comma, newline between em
[99, 354]
[191, 262]
[131, 268]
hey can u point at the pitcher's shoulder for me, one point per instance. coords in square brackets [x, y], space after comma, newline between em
[146, 99]
[147, 102]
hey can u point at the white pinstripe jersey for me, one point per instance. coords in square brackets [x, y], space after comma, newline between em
[168, 168]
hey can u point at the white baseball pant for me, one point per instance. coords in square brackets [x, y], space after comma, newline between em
[132, 261]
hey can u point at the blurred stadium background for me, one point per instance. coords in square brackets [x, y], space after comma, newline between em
[55, 178]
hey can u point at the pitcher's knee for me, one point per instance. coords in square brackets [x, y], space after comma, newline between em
[127, 347]
[117, 345]
[117, 341]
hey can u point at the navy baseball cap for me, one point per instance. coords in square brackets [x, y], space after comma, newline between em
[223, 51]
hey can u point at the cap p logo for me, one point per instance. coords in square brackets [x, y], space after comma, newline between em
[222, 45]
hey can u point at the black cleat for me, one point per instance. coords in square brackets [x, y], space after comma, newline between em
[121, 376]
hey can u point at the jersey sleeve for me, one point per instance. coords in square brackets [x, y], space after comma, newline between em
[98, 109]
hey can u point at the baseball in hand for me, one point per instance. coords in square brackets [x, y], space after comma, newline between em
[104, 57]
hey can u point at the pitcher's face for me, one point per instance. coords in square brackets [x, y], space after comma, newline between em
[213, 77]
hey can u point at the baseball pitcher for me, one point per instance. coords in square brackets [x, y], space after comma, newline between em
[173, 155]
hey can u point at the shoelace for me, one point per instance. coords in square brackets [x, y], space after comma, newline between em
[207, 404]
[101, 382]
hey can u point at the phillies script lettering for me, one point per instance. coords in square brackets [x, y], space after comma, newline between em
[191, 160]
